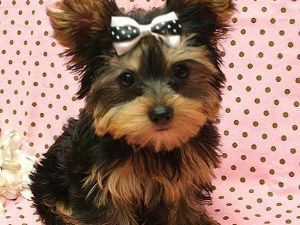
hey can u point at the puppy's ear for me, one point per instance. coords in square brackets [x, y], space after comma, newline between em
[83, 27]
[223, 8]
[206, 18]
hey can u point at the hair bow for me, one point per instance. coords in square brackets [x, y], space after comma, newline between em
[126, 32]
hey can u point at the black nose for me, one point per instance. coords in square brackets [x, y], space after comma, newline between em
[161, 115]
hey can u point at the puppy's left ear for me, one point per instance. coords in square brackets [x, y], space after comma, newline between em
[83, 28]
[223, 8]
[206, 18]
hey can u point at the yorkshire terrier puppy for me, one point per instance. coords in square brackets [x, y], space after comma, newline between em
[143, 149]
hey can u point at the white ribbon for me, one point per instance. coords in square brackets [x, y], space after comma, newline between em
[125, 46]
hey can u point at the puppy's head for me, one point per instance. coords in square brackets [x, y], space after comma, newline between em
[155, 94]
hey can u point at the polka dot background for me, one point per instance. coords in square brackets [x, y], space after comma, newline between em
[258, 182]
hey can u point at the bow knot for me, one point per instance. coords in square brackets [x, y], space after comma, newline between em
[126, 32]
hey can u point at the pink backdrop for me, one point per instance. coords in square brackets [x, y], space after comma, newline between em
[259, 180]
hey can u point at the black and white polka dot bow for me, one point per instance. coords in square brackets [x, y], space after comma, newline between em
[126, 32]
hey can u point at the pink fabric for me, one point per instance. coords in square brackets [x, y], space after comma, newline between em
[258, 182]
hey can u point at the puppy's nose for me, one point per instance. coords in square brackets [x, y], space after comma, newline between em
[161, 115]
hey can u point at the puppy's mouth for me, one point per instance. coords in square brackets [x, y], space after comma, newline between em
[161, 129]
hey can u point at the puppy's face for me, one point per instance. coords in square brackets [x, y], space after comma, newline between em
[155, 95]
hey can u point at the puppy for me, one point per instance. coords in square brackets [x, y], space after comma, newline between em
[142, 150]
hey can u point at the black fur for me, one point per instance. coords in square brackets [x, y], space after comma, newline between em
[59, 175]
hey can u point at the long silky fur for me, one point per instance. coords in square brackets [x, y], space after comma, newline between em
[94, 174]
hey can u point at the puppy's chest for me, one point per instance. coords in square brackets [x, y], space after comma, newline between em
[127, 187]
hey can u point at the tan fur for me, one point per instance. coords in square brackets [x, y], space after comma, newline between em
[131, 121]
[64, 212]
[128, 189]
[185, 52]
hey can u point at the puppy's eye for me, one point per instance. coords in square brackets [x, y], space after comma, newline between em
[126, 79]
[181, 71]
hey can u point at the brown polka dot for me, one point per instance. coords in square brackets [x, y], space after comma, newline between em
[264, 9]
[283, 138]
[291, 174]
[263, 159]
[243, 157]
[268, 89]
[255, 124]
[245, 9]
[253, 20]
[285, 114]
[223, 178]
[281, 32]
[269, 66]
[251, 43]
[260, 54]
[289, 68]
[246, 111]
[225, 218]
[295, 127]
[296, 104]
[241, 54]
[240, 77]
[283, 10]
[273, 20]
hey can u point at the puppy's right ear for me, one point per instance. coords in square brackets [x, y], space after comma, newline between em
[83, 27]
[79, 22]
